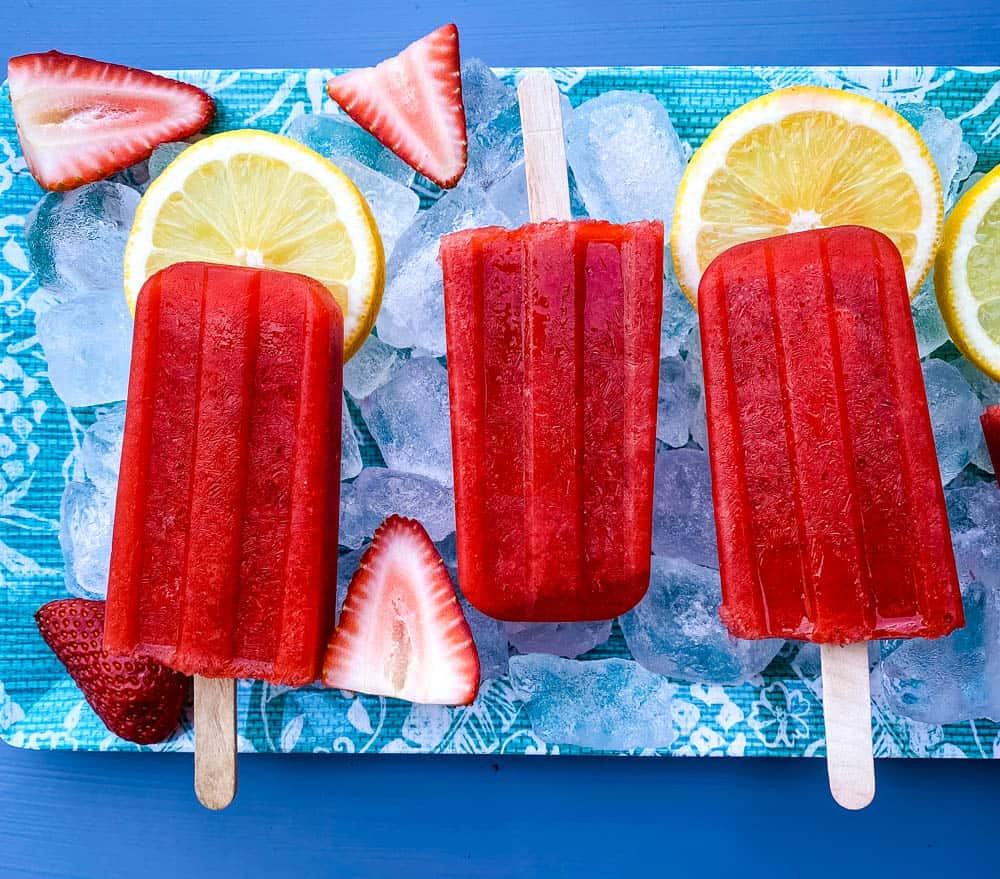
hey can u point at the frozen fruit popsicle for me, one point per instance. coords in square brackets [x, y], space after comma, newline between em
[553, 337]
[828, 503]
[829, 510]
[225, 538]
[990, 421]
[553, 350]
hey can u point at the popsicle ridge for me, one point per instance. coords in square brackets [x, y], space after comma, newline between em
[866, 597]
[808, 586]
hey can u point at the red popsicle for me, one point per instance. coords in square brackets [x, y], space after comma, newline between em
[990, 421]
[553, 353]
[225, 539]
[828, 503]
[829, 508]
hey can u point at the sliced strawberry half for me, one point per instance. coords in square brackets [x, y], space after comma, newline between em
[413, 104]
[81, 120]
[401, 631]
[138, 699]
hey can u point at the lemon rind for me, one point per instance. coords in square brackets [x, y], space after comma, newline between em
[364, 288]
[771, 108]
[959, 307]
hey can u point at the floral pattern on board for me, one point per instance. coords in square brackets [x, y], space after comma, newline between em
[779, 713]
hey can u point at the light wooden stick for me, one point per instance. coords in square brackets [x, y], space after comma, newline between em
[544, 149]
[214, 741]
[847, 713]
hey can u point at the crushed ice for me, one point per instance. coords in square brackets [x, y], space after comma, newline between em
[626, 161]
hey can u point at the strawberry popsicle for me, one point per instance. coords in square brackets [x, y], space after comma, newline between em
[829, 509]
[553, 337]
[225, 537]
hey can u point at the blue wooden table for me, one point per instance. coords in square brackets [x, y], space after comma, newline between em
[110, 816]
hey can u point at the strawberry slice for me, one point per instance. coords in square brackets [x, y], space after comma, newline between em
[81, 120]
[401, 631]
[138, 699]
[413, 104]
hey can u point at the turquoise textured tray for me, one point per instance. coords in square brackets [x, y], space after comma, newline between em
[777, 714]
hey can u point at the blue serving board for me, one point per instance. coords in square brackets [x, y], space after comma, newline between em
[777, 714]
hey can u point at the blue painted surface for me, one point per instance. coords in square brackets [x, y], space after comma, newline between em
[93, 815]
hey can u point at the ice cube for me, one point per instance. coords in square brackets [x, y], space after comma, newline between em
[408, 419]
[339, 137]
[607, 704]
[974, 517]
[676, 403]
[988, 392]
[488, 633]
[955, 412]
[393, 205]
[675, 630]
[946, 680]
[135, 176]
[163, 155]
[76, 239]
[85, 521]
[350, 453]
[379, 492]
[373, 365]
[347, 567]
[412, 314]
[87, 341]
[626, 157]
[448, 547]
[509, 195]
[558, 639]
[683, 519]
[696, 379]
[493, 125]
[101, 450]
[927, 320]
[954, 158]
[956, 678]
[678, 314]
[490, 638]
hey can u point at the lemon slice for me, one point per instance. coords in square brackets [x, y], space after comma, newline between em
[807, 158]
[967, 274]
[257, 199]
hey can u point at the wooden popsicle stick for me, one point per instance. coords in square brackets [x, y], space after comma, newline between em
[544, 148]
[847, 713]
[214, 741]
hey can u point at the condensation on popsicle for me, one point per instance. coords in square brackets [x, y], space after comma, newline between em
[829, 507]
[225, 537]
[553, 352]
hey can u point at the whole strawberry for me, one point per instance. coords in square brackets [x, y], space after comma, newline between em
[138, 699]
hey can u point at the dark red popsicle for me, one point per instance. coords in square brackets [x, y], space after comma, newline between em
[553, 353]
[828, 502]
[225, 538]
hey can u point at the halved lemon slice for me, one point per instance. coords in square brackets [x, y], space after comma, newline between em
[257, 199]
[967, 275]
[807, 158]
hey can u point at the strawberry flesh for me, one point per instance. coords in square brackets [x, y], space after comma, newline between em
[138, 699]
[402, 632]
[413, 104]
[81, 120]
